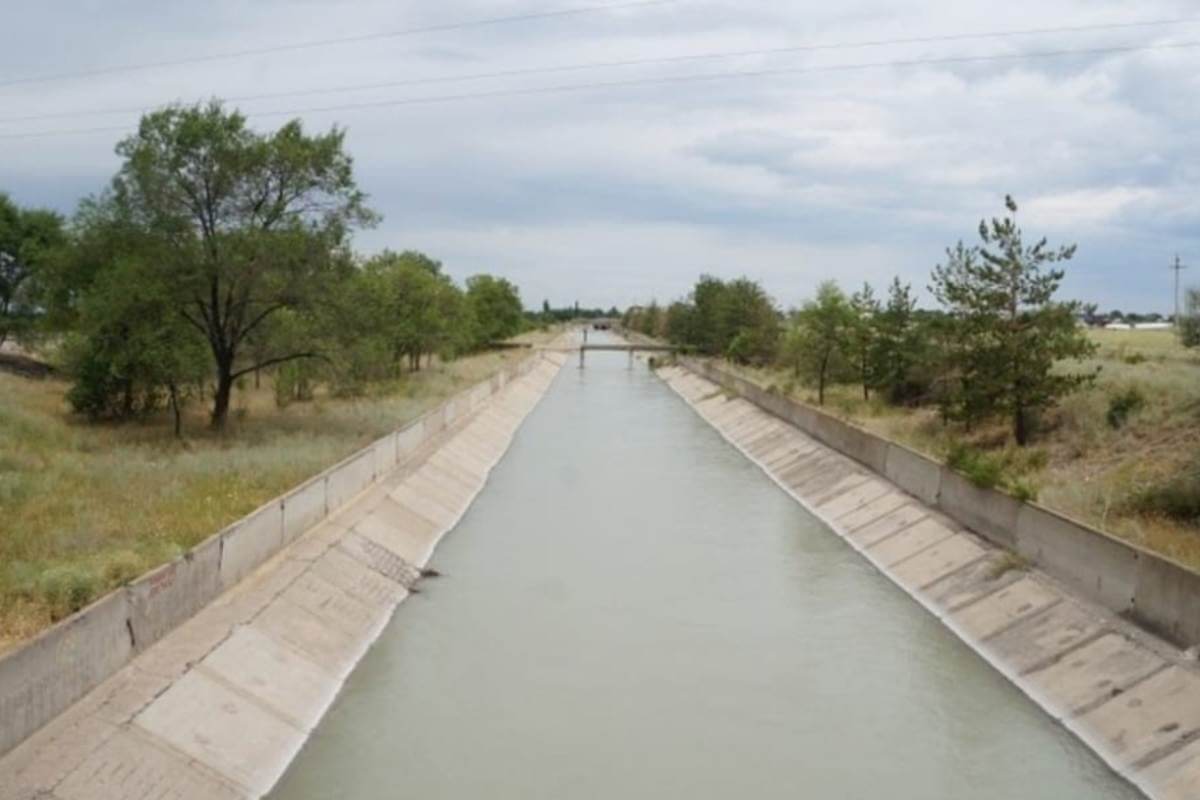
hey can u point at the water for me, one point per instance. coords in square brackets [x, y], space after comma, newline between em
[632, 610]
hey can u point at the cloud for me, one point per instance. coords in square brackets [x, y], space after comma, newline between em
[612, 195]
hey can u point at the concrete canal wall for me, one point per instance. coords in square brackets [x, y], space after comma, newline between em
[1160, 595]
[1058, 631]
[206, 676]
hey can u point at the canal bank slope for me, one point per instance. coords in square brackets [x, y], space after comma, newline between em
[1132, 698]
[221, 704]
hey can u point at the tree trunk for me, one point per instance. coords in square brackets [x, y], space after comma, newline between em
[175, 410]
[222, 394]
[821, 381]
[1021, 426]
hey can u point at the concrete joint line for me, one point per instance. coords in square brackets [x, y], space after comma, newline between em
[1062, 655]
[1166, 750]
[1088, 708]
[969, 565]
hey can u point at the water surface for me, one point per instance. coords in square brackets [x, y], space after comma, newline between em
[633, 610]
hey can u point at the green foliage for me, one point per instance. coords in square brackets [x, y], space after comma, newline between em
[247, 225]
[1123, 404]
[29, 239]
[494, 310]
[734, 319]
[900, 349]
[1009, 470]
[1008, 332]
[1024, 490]
[819, 345]
[67, 588]
[985, 470]
[1177, 498]
[131, 351]
[864, 335]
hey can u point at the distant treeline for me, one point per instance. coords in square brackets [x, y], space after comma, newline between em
[218, 252]
[572, 313]
[995, 347]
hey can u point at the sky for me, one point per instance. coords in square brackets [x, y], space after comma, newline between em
[859, 159]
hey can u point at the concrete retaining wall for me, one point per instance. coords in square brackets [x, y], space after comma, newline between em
[61, 665]
[169, 595]
[42, 678]
[1159, 594]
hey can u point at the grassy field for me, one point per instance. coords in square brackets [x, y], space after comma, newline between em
[86, 507]
[1080, 464]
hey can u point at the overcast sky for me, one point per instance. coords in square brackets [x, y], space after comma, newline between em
[616, 195]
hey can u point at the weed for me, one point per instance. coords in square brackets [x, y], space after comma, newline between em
[1177, 498]
[1123, 405]
[69, 531]
[1004, 562]
[1024, 490]
[66, 588]
[981, 469]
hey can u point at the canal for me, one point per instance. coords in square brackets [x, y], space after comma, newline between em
[633, 610]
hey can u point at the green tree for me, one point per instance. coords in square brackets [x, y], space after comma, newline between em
[900, 347]
[29, 238]
[493, 306]
[253, 224]
[863, 334]
[680, 323]
[650, 321]
[1012, 333]
[132, 351]
[750, 321]
[820, 345]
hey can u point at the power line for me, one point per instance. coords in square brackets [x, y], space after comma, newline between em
[528, 71]
[706, 77]
[314, 43]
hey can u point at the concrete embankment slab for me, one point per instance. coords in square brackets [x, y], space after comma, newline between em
[1134, 699]
[220, 705]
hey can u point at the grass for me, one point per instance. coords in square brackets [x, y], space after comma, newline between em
[87, 507]
[1123, 456]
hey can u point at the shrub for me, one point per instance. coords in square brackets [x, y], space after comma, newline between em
[1123, 405]
[68, 588]
[1177, 498]
[1024, 490]
[980, 468]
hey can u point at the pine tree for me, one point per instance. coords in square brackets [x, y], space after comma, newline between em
[1010, 331]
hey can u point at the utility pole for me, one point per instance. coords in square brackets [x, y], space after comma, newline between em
[1177, 268]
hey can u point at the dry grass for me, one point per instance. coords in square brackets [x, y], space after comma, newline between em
[86, 507]
[1079, 464]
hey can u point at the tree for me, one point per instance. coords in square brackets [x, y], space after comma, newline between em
[735, 319]
[1011, 330]
[494, 309]
[252, 224]
[820, 343]
[1189, 322]
[650, 320]
[28, 240]
[900, 347]
[866, 312]
[680, 323]
[132, 351]
[750, 321]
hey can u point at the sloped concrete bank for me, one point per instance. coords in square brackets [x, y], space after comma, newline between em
[213, 670]
[1132, 697]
